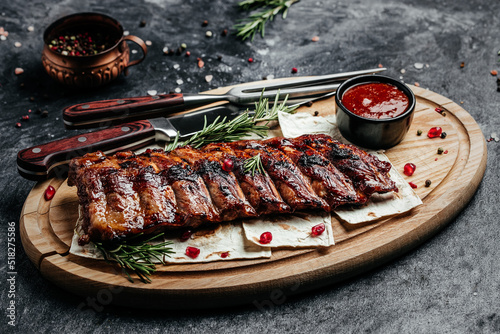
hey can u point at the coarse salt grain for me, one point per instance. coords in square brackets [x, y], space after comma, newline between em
[418, 66]
[209, 78]
[178, 90]
[180, 82]
[152, 92]
[31, 28]
[149, 43]
[18, 44]
[176, 66]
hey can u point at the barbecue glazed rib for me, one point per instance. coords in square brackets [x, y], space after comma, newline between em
[126, 194]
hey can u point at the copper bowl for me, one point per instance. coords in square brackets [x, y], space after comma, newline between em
[92, 70]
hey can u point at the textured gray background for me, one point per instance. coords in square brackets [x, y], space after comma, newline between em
[451, 284]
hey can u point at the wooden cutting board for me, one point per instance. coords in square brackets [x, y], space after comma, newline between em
[46, 229]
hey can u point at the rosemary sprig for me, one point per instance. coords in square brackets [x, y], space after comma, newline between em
[256, 22]
[224, 130]
[136, 255]
[254, 165]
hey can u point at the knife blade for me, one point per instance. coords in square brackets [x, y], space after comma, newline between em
[40, 161]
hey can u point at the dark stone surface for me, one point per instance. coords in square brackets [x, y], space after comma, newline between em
[451, 284]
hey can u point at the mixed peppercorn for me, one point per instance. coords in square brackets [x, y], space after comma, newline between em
[81, 44]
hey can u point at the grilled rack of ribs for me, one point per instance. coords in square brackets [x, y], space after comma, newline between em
[127, 193]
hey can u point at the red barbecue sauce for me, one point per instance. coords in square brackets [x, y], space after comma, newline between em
[375, 100]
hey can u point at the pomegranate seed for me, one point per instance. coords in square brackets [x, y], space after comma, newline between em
[18, 125]
[227, 165]
[224, 255]
[318, 229]
[294, 70]
[186, 235]
[250, 60]
[192, 252]
[439, 110]
[434, 132]
[49, 193]
[413, 185]
[266, 238]
[25, 118]
[409, 169]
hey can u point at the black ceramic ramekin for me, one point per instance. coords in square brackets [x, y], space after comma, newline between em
[369, 132]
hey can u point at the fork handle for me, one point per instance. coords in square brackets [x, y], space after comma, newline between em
[106, 112]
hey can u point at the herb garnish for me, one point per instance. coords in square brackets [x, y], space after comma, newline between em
[136, 255]
[223, 130]
[248, 27]
[254, 165]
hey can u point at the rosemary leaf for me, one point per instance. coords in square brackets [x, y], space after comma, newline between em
[136, 255]
[224, 130]
[254, 165]
[256, 22]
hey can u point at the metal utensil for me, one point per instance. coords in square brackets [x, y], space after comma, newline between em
[38, 162]
[103, 113]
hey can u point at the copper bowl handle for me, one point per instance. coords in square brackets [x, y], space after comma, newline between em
[139, 42]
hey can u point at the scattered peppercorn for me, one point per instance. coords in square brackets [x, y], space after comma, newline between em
[204, 23]
[224, 32]
[32, 98]
[428, 183]
[443, 135]
[443, 114]
[45, 113]
[142, 24]
[440, 150]
[316, 113]
[419, 132]
[462, 65]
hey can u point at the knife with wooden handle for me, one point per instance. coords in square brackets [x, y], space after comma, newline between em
[40, 161]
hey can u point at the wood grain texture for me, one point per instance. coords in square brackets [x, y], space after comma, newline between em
[40, 159]
[120, 108]
[46, 228]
